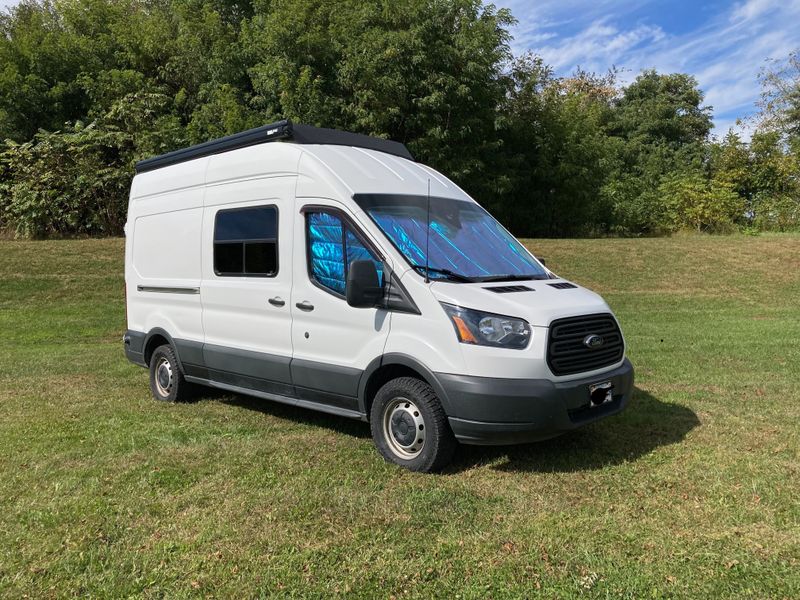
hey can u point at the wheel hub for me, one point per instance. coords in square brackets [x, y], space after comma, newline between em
[404, 428]
[164, 377]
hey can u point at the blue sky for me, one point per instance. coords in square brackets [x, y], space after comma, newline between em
[723, 44]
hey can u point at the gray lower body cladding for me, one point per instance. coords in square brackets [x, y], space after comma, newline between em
[487, 410]
[134, 347]
[481, 410]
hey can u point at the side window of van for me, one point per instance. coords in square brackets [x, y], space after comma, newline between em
[246, 242]
[332, 246]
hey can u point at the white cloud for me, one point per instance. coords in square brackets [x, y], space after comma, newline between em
[725, 52]
[752, 9]
[598, 45]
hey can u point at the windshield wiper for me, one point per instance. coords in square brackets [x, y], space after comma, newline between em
[513, 277]
[451, 274]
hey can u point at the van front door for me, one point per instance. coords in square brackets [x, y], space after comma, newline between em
[333, 342]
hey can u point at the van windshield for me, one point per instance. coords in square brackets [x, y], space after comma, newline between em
[466, 243]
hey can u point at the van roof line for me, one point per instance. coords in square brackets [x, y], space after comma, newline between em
[279, 131]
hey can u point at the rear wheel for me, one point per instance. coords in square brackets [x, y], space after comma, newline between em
[409, 426]
[166, 378]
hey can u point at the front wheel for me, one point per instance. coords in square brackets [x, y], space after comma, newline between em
[409, 426]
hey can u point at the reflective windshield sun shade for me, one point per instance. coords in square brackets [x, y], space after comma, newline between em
[332, 246]
[464, 238]
[325, 246]
[355, 250]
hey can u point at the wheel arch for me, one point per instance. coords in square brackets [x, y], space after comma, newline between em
[389, 366]
[155, 338]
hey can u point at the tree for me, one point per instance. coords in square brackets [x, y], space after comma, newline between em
[41, 59]
[87, 81]
[730, 163]
[780, 97]
[776, 181]
[695, 202]
[662, 128]
[429, 74]
[555, 151]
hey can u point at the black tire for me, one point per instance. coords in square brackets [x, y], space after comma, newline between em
[409, 426]
[167, 382]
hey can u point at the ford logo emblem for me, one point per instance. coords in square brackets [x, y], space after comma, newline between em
[593, 341]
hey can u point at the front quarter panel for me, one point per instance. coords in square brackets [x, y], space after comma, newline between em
[428, 337]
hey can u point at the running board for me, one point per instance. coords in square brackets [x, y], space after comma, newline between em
[317, 406]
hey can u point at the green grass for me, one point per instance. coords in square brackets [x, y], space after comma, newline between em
[694, 491]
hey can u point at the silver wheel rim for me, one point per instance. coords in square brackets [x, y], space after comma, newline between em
[401, 419]
[163, 377]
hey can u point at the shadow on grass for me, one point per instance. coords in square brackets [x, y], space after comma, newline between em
[350, 427]
[645, 425]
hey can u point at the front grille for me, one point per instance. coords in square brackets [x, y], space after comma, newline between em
[567, 353]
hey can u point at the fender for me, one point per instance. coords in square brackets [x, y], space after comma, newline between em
[162, 333]
[397, 358]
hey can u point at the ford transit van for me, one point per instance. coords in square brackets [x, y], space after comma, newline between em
[331, 271]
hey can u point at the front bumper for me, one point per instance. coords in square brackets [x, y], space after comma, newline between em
[488, 410]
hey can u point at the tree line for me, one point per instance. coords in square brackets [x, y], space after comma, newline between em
[88, 87]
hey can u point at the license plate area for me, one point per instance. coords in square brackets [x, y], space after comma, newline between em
[601, 393]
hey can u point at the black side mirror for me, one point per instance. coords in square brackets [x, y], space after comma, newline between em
[542, 260]
[362, 288]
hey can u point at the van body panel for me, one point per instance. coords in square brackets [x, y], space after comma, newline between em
[190, 352]
[265, 160]
[339, 380]
[428, 336]
[184, 176]
[332, 342]
[252, 191]
[362, 171]
[164, 293]
[179, 232]
[539, 306]
[237, 312]
[245, 368]
[315, 179]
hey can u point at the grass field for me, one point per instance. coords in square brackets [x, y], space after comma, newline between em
[694, 491]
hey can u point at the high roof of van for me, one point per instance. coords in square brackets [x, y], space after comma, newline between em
[326, 164]
[362, 171]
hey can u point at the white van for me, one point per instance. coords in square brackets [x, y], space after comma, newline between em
[329, 270]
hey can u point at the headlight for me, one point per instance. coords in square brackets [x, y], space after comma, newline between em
[488, 329]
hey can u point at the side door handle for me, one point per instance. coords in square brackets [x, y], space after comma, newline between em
[277, 301]
[305, 305]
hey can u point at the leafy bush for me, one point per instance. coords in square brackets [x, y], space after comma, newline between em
[76, 181]
[66, 183]
[695, 202]
[637, 208]
[778, 213]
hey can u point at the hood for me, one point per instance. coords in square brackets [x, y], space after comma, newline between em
[541, 303]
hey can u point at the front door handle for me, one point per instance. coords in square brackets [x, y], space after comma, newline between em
[305, 305]
[277, 301]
